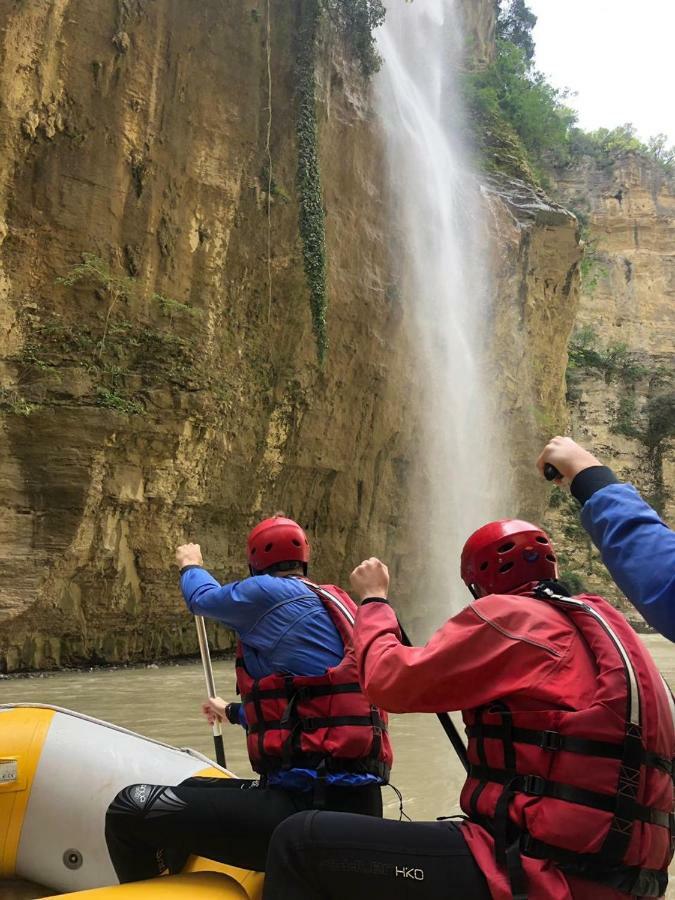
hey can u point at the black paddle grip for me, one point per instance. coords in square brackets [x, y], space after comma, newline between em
[551, 473]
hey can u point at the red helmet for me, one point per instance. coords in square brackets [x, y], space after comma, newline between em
[276, 540]
[504, 555]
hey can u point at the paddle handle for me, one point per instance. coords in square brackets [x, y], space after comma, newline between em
[550, 472]
[210, 687]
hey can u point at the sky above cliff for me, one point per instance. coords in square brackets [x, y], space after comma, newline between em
[616, 55]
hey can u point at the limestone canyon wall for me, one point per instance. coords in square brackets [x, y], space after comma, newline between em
[152, 388]
[621, 393]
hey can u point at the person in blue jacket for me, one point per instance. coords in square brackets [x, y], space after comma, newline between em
[636, 546]
[287, 630]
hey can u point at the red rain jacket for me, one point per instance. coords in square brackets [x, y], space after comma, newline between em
[533, 659]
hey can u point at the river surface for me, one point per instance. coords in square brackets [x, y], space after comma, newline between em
[164, 703]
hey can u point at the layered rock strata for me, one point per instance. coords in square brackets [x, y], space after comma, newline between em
[621, 392]
[163, 392]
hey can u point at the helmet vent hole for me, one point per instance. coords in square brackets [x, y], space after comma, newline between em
[296, 543]
[506, 547]
[550, 557]
[268, 547]
[541, 540]
[505, 568]
[483, 566]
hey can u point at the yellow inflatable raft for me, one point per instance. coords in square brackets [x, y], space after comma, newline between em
[59, 770]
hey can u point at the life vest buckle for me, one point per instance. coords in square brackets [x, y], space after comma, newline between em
[550, 740]
[534, 785]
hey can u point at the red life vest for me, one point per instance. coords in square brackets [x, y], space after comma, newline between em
[320, 722]
[590, 789]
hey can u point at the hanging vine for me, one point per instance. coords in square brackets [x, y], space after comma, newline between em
[312, 216]
[354, 21]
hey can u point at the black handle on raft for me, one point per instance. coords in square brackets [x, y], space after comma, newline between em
[551, 473]
[445, 720]
[220, 749]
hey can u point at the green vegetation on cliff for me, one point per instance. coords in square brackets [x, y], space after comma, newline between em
[131, 348]
[312, 221]
[524, 126]
[354, 21]
[645, 406]
[518, 118]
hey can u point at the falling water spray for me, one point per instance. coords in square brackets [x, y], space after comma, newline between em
[441, 243]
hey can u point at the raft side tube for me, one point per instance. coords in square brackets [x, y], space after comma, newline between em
[199, 886]
[62, 770]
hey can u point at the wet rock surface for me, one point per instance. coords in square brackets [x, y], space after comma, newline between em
[128, 424]
[620, 386]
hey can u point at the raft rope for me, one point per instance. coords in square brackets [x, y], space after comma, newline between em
[402, 814]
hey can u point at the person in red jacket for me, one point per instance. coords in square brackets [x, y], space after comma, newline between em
[571, 743]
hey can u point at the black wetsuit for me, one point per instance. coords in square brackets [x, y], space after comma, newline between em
[330, 856]
[150, 828]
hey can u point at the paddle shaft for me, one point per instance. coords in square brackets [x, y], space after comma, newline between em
[445, 720]
[210, 687]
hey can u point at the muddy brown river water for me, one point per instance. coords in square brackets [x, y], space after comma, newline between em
[164, 703]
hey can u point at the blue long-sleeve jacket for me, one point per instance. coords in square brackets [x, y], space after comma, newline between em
[636, 546]
[283, 627]
[281, 623]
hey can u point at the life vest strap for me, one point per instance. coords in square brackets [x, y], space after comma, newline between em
[303, 692]
[554, 741]
[631, 880]
[516, 872]
[308, 724]
[537, 786]
[328, 765]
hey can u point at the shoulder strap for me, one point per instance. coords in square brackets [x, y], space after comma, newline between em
[337, 604]
[570, 604]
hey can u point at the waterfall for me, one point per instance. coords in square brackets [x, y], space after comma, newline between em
[441, 244]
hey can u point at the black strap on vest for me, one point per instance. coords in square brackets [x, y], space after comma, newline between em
[511, 844]
[535, 786]
[303, 693]
[292, 755]
[605, 866]
[553, 740]
[480, 750]
[630, 880]
[309, 723]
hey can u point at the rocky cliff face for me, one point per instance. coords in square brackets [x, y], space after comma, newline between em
[620, 382]
[537, 277]
[480, 20]
[152, 386]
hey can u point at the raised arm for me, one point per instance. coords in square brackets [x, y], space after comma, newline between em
[237, 605]
[456, 669]
[638, 549]
[636, 546]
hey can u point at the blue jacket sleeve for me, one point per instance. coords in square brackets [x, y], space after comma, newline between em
[236, 605]
[638, 550]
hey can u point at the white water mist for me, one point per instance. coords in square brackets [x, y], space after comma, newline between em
[441, 243]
